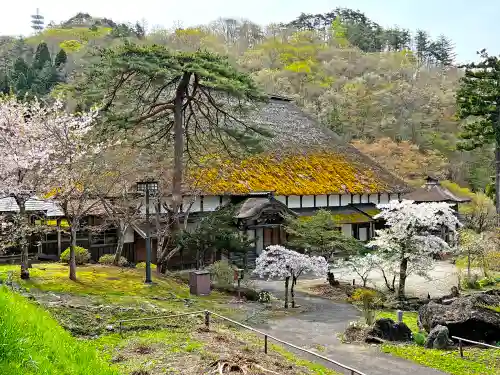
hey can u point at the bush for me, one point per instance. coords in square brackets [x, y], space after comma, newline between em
[367, 298]
[419, 338]
[222, 272]
[143, 265]
[82, 255]
[264, 297]
[109, 259]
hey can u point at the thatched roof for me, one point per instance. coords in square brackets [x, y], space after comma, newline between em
[302, 158]
[433, 191]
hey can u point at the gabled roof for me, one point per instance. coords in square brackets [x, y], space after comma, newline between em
[9, 204]
[302, 158]
[254, 208]
[433, 191]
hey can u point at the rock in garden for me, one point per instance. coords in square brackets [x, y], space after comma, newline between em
[438, 338]
[467, 316]
[110, 328]
[387, 329]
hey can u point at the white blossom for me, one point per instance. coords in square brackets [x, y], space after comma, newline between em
[412, 233]
[278, 262]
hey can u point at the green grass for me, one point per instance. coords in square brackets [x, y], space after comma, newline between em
[410, 318]
[476, 361]
[32, 342]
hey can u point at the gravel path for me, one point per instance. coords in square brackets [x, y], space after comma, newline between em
[443, 276]
[317, 329]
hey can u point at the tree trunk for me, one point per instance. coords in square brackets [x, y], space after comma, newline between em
[292, 291]
[24, 244]
[468, 267]
[178, 172]
[122, 227]
[287, 282]
[72, 260]
[497, 177]
[403, 267]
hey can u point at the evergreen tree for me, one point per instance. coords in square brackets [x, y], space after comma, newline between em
[422, 44]
[191, 98]
[4, 84]
[478, 100]
[443, 50]
[61, 59]
[42, 56]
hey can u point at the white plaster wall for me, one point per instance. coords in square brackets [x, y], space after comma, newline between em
[334, 200]
[345, 199]
[294, 201]
[384, 198]
[356, 198]
[211, 202]
[195, 206]
[363, 234]
[321, 201]
[308, 201]
[393, 197]
[364, 198]
[280, 198]
[259, 244]
[129, 235]
[373, 198]
[347, 230]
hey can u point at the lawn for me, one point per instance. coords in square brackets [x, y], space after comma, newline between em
[476, 361]
[90, 308]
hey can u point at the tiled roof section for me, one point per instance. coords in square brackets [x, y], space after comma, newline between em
[302, 158]
[350, 214]
[32, 205]
[433, 191]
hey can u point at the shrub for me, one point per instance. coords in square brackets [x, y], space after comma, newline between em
[222, 272]
[82, 255]
[143, 265]
[264, 297]
[109, 259]
[419, 338]
[367, 298]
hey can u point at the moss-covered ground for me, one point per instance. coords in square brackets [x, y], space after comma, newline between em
[90, 308]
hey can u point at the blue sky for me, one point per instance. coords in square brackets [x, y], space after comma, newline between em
[471, 26]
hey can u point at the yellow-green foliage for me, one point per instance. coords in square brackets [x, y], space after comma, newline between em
[31, 342]
[79, 34]
[142, 265]
[71, 45]
[82, 255]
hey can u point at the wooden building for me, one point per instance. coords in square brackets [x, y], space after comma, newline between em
[305, 167]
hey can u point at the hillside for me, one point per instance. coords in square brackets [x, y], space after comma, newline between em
[369, 84]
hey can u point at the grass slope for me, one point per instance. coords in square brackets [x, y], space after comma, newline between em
[32, 342]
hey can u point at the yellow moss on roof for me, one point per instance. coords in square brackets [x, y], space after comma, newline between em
[292, 174]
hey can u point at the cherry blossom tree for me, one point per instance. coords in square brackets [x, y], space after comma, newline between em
[278, 262]
[412, 235]
[28, 150]
[362, 265]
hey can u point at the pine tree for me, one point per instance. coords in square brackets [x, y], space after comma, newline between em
[42, 56]
[478, 100]
[61, 59]
[422, 44]
[443, 51]
[191, 98]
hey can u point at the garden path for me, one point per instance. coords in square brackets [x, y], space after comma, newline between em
[317, 330]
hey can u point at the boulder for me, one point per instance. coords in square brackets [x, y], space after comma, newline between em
[386, 329]
[465, 316]
[438, 338]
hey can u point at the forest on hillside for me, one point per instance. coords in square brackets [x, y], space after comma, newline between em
[389, 91]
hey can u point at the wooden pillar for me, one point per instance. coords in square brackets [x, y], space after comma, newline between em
[59, 238]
